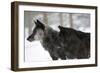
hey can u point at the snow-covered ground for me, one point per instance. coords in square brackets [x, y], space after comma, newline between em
[35, 52]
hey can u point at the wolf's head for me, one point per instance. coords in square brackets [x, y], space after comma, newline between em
[38, 31]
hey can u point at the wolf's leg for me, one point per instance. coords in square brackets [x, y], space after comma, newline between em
[62, 54]
[54, 58]
[53, 55]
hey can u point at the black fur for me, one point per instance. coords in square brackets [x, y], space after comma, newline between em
[76, 43]
[66, 44]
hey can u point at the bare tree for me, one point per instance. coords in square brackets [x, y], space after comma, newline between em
[71, 20]
[61, 18]
[28, 22]
[45, 18]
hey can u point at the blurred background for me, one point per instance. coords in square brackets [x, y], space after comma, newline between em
[78, 21]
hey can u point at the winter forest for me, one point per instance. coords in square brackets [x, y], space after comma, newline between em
[34, 50]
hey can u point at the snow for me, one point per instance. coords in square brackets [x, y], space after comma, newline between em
[35, 52]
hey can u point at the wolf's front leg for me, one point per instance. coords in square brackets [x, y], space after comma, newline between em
[53, 55]
[61, 54]
[54, 58]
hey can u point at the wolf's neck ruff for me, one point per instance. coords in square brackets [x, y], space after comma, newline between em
[49, 33]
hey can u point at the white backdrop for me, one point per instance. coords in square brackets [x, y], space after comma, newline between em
[5, 32]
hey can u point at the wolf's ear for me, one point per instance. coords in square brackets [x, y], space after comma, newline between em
[39, 22]
[60, 27]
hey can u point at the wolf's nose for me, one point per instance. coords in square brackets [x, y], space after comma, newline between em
[28, 39]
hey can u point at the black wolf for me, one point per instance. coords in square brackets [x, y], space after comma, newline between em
[68, 43]
[76, 43]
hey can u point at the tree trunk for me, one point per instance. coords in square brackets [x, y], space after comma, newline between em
[45, 18]
[71, 20]
[61, 19]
